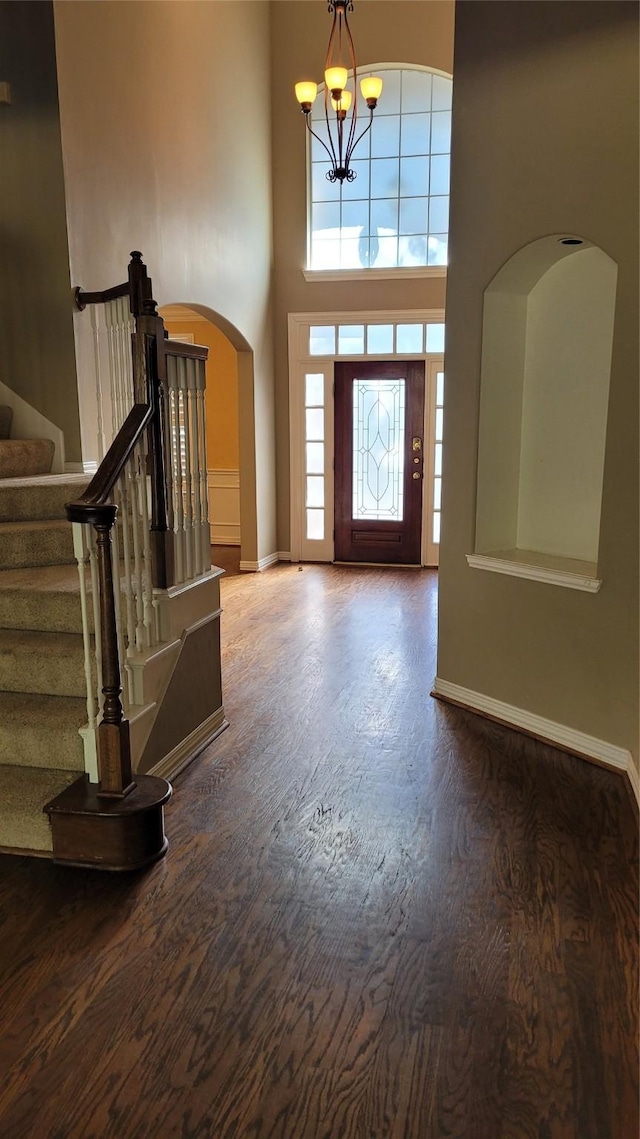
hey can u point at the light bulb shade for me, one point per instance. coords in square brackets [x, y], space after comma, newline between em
[306, 92]
[336, 78]
[371, 87]
[343, 103]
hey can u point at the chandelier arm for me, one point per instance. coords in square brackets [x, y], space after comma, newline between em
[320, 140]
[367, 128]
[335, 158]
[351, 145]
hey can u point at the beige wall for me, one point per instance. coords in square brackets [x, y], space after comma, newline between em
[384, 31]
[37, 359]
[221, 393]
[545, 140]
[162, 155]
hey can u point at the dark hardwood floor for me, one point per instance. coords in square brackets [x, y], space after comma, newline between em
[380, 917]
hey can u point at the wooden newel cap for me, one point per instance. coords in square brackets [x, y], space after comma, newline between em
[94, 515]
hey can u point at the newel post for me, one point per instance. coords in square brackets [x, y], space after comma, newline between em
[114, 749]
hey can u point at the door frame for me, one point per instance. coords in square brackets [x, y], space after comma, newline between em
[301, 363]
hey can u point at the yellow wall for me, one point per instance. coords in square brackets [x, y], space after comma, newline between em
[537, 150]
[222, 391]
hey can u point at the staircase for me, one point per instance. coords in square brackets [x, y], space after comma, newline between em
[22, 457]
[42, 683]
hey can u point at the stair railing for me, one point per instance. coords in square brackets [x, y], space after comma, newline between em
[142, 525]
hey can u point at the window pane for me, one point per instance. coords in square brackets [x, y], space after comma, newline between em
[355, 253]
[315, 491]
[438, 460]
[438, 215]
[379, 338]
[436, 527]
[350, 338]
[324, 255]
[386, 255]
[435, 340]
[440, 388]
[412, 250]
[442, 92]
[315, 458]
[315, 525]
[378, 449]
[440, 167]
[390, 97]
[384, 177]
[326, 219]
[359, 188]
[439, 414]
[437, 254]
[384, 217]
[314, 389]
[321, 188]
[441, 132]
[385, 136]
[409, 338]
[315, 423]
[414, 177]
[413, 215]
[437, 494]
[416, 91]
[414, 135]
[355, 219]
[322, 340]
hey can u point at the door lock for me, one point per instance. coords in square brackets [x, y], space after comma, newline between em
[416, 475]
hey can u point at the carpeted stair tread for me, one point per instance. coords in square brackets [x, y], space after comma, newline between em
[23, 499]
[41, 731]
[42, 597]
[23, 793]
[35, 543]
[50, 663]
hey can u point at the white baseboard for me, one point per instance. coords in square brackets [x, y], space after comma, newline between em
[88, 468]
[284, 555]
[559, 735]
[262, 564]
[225, 536]
[186, 751]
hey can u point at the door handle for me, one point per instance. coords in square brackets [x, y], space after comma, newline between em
[416, 443]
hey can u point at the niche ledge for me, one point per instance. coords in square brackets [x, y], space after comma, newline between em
[570, 573]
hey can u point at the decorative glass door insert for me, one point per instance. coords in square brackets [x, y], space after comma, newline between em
[378, 449]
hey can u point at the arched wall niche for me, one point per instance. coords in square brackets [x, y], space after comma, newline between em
[232, 481]
[546, 360]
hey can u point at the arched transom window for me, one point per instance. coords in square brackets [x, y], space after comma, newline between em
[395, 213]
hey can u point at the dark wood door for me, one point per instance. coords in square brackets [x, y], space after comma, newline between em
[379, 458]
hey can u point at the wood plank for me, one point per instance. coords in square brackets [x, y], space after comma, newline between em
[380, 916]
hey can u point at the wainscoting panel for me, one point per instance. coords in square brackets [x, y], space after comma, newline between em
[224, 507]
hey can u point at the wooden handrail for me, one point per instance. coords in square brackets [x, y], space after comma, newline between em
[101, 486]
[178, 348]
[82, 299]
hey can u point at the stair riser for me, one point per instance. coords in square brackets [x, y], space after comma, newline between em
[36, 746]
[35, 503]
[47, 674]
[59, 613]
[45, 548]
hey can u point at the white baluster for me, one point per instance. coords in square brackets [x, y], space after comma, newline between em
[201, 430]
[138, 572]
[187, 472]
[125, 492]
[81, 552]
[95, 328]
[175, 460]
[150, 615]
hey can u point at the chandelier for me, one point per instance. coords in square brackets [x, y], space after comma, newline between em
[342, 135]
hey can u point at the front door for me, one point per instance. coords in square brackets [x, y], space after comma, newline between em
[379, 417]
